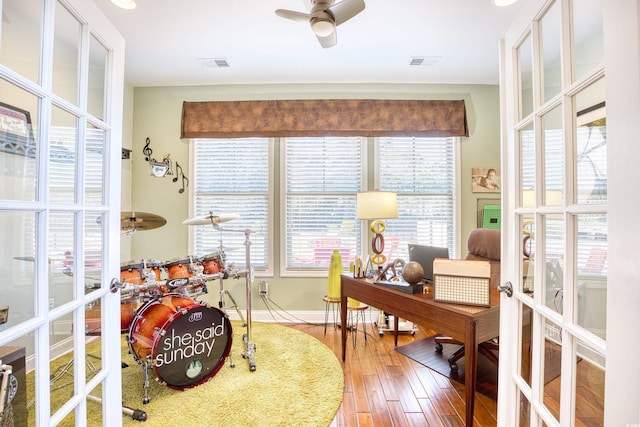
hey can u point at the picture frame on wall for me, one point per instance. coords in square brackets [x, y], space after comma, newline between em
[16, 131]
[485, 180]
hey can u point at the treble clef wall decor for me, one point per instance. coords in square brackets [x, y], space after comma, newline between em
[147, 151]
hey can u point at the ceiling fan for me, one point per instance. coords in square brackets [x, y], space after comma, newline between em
[325, 16]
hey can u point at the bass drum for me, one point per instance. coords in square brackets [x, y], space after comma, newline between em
[187, 341]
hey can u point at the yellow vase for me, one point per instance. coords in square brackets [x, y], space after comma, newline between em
[335, 270]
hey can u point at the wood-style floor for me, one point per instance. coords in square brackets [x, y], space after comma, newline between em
[385, 388]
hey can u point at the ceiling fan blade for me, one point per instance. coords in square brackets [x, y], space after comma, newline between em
[328, 41]
[293, 15]
[346, 9]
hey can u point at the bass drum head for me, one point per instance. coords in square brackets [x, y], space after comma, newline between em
[193, 348]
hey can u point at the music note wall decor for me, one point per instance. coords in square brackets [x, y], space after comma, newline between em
[160, 169]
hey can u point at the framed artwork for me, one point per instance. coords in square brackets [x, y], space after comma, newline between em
[485, 180]
[16, 131]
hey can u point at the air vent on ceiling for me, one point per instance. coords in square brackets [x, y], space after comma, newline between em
[424, 60]
[214, 62]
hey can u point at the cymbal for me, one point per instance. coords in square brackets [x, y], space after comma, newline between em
[210, 218]
[140, 221]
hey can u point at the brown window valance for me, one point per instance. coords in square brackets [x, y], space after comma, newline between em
[334, 117]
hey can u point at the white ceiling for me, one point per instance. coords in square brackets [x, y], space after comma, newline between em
[166, 38]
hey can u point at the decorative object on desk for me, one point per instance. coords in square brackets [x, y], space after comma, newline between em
[377, 205]
[412, 272]
[462, 282]
[335, 270]
[401, 285]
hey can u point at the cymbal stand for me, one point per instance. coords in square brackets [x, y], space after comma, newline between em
[224, 292]
[248, 273]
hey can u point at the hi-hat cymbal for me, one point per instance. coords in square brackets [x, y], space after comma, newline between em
[140, 221]
[210, 218]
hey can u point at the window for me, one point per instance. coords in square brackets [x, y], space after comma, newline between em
[234, 176]
[322, 177]
[423, 173]
[316, 202]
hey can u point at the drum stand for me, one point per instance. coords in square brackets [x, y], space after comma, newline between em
[248, 273]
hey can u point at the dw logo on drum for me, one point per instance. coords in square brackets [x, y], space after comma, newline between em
[195, 317]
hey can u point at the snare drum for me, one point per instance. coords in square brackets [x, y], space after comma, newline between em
[186, 340]
[187, 266]
[213, 263]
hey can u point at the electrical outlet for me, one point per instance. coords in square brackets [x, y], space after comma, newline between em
[263, 288]
[4, 315]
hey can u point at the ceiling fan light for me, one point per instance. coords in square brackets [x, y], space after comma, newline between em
[322, 28]
[125, 4]
[503, 3]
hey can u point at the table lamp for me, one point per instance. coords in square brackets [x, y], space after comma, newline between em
[377, 205]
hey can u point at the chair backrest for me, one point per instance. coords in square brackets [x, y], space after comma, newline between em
[483, 244]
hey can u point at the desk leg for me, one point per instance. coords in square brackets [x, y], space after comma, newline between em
[396, 323]
[470, 369]
[343, 320]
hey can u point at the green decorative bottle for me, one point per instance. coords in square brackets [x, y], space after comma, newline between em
[335, 270]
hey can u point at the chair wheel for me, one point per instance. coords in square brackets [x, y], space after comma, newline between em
[453, 366]
[439, 347]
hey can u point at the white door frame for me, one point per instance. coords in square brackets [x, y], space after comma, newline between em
[622, 81]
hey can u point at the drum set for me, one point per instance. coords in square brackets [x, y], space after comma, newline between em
[184, 341]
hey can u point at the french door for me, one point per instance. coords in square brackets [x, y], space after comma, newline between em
[561, 107]
[61, 88]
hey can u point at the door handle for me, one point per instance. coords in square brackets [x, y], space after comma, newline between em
[507, 288]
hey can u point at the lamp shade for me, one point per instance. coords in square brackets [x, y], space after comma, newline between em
[377, 205]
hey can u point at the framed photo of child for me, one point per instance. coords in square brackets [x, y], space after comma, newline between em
[485, 180]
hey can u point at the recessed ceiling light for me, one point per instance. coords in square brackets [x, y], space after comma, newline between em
[125, 4]
[424, 60]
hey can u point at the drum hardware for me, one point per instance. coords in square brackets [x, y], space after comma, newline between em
[215, 220]
[135, 414]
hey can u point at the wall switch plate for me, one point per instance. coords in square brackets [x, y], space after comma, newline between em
[4, 315]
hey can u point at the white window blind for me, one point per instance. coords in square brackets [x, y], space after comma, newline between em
[422, 171]
[233, 176]
[322, 177]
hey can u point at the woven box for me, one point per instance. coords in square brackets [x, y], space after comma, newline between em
[462, 281]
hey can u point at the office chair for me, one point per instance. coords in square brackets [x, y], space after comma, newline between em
[483, 244]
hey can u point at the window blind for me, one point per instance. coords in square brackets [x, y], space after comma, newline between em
[422, 171]
[322, 177]
[233, 176]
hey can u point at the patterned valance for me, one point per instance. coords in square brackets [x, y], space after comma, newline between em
[333, 117]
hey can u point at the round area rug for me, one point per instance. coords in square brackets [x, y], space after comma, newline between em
[298, 381]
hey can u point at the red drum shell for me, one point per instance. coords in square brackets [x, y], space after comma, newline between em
[178, 268]
[213, 263]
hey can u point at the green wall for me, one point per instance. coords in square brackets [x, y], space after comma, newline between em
[157, 114]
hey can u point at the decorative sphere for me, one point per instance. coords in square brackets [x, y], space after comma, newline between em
[412, 272]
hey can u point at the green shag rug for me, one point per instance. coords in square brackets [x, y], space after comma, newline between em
[298, 381]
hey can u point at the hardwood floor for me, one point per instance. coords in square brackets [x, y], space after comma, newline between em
[385, 388]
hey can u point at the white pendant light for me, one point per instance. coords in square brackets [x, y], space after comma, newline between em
[125, 4]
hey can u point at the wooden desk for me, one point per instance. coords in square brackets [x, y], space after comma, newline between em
[468, 324]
